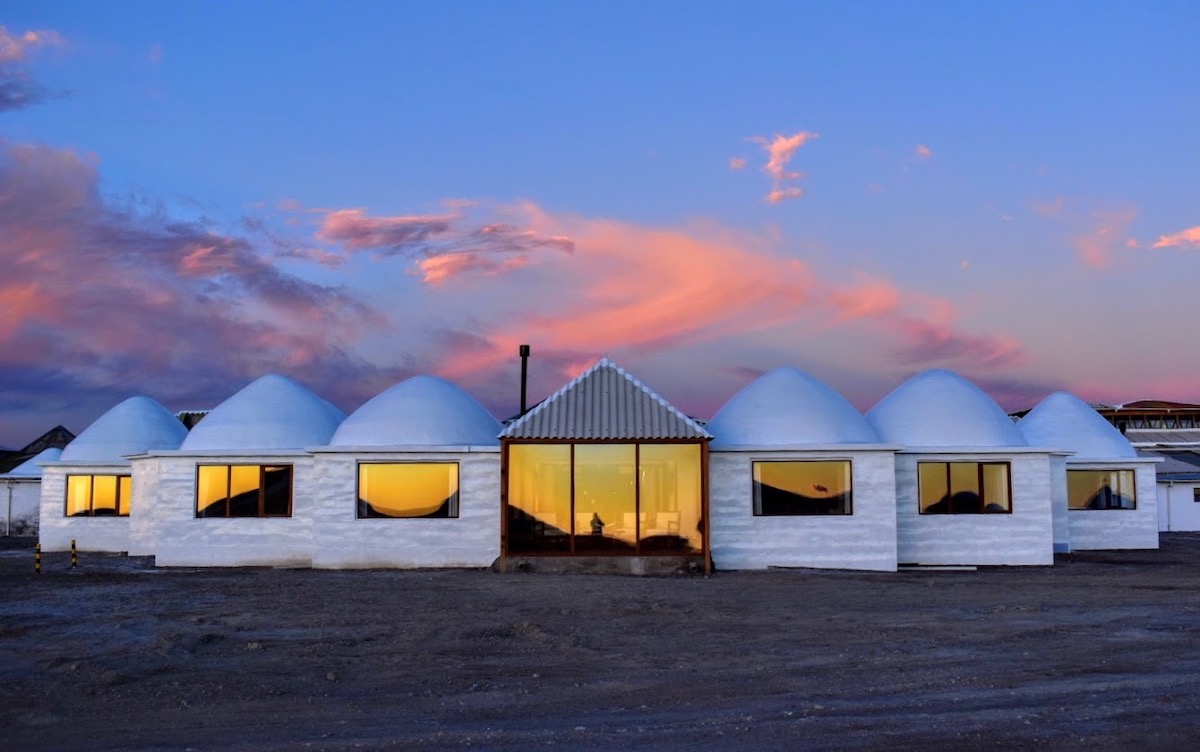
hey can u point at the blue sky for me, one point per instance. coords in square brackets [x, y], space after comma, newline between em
[194, 194]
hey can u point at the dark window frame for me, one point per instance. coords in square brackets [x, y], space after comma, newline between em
[91, 511]
[983, 500]
[847, 509]
[262, 491]
[455, 507]
[1117, 493]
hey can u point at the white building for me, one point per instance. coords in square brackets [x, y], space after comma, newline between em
[798, 478]
[410, 479]
[1103, 493]
[23, 493]
[969, 489]
[88, 494]
[240, 489]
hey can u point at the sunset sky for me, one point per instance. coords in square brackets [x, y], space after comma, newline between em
[195, 194]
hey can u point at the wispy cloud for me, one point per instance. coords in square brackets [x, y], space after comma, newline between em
[1189, 238]
[780, 150]
[737, 163]
[923, 151]
[1105, 231]
[17, 88]
[116, 300]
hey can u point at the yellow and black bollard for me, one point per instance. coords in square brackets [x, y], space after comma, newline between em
[37, 559]
[74, 556]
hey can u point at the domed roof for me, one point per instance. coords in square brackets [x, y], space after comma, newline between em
[1063, 421]
[273, 412]
[787, 407]
[939, 408]
[32, 467]
[137, 425]
[421, 411]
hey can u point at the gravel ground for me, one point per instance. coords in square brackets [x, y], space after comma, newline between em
[1101, 651]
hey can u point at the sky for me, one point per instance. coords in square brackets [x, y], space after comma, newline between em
[194, 194]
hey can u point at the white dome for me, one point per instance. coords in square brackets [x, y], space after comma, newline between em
[939, 408]
[787, 407]
[137, 425]
[421, 411]
[1063, 421]
[32, 467]
[273, 412]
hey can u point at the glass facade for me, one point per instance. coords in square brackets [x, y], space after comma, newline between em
[1101, 489]
[98, 495]
[964, 487]
[244, 491]
[604, 498]
[802, 488]
[414, 489]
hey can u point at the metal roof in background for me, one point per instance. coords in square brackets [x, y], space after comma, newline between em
[1162, 437]
[605, 403]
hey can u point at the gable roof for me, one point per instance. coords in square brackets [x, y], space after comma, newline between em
[604, 403]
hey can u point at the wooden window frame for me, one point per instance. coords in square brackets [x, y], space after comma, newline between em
[848, 510]
[457, 509]
[980, 464]
[262, 490]
[91, 512]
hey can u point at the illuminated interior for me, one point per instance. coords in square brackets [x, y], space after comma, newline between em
[964, 487]
[427, 489]
[802, 488]
[98, 495]
[1101, 489]
[244, 491]
[617, 498]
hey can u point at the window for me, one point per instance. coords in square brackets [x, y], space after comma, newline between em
[416, 489]
[1196, 495]
[801, 488]
[604, 498]
[244, 491]
[98, 495]
[964, 487]
[1100, 489]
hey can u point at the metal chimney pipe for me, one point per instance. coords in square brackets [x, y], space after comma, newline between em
[524, 351]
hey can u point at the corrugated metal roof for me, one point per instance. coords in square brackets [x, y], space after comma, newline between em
[605, 403]
[1162, 437]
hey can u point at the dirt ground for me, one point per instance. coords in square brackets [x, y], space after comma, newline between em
[1101, 651]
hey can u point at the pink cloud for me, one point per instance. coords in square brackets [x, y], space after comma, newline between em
[355, 230]
[100, 302]
[737, 163]
[1184, 238]
[17, 88]
[1106, 231]
[780, 150]
[923, 151]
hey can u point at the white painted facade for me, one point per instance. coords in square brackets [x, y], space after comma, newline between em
[342, 541]
[1178, 505]
[181, 539]
[22, 500]
[865, 539]
[1058, 503]
[1100, 529]
[1023, 537]
[56, 530]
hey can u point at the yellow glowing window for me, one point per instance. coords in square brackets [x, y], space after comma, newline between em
[1101, 489]
[964, 488]
[244, 491]
[408, 489]
[802, 488]
[98, 495]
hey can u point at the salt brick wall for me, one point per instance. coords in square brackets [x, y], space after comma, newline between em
[56, 530]
[342, 541]
[142, 539]
[187, 541]
[865, 539]
[1058, 501]
[1024, 537]
[1098, 529]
